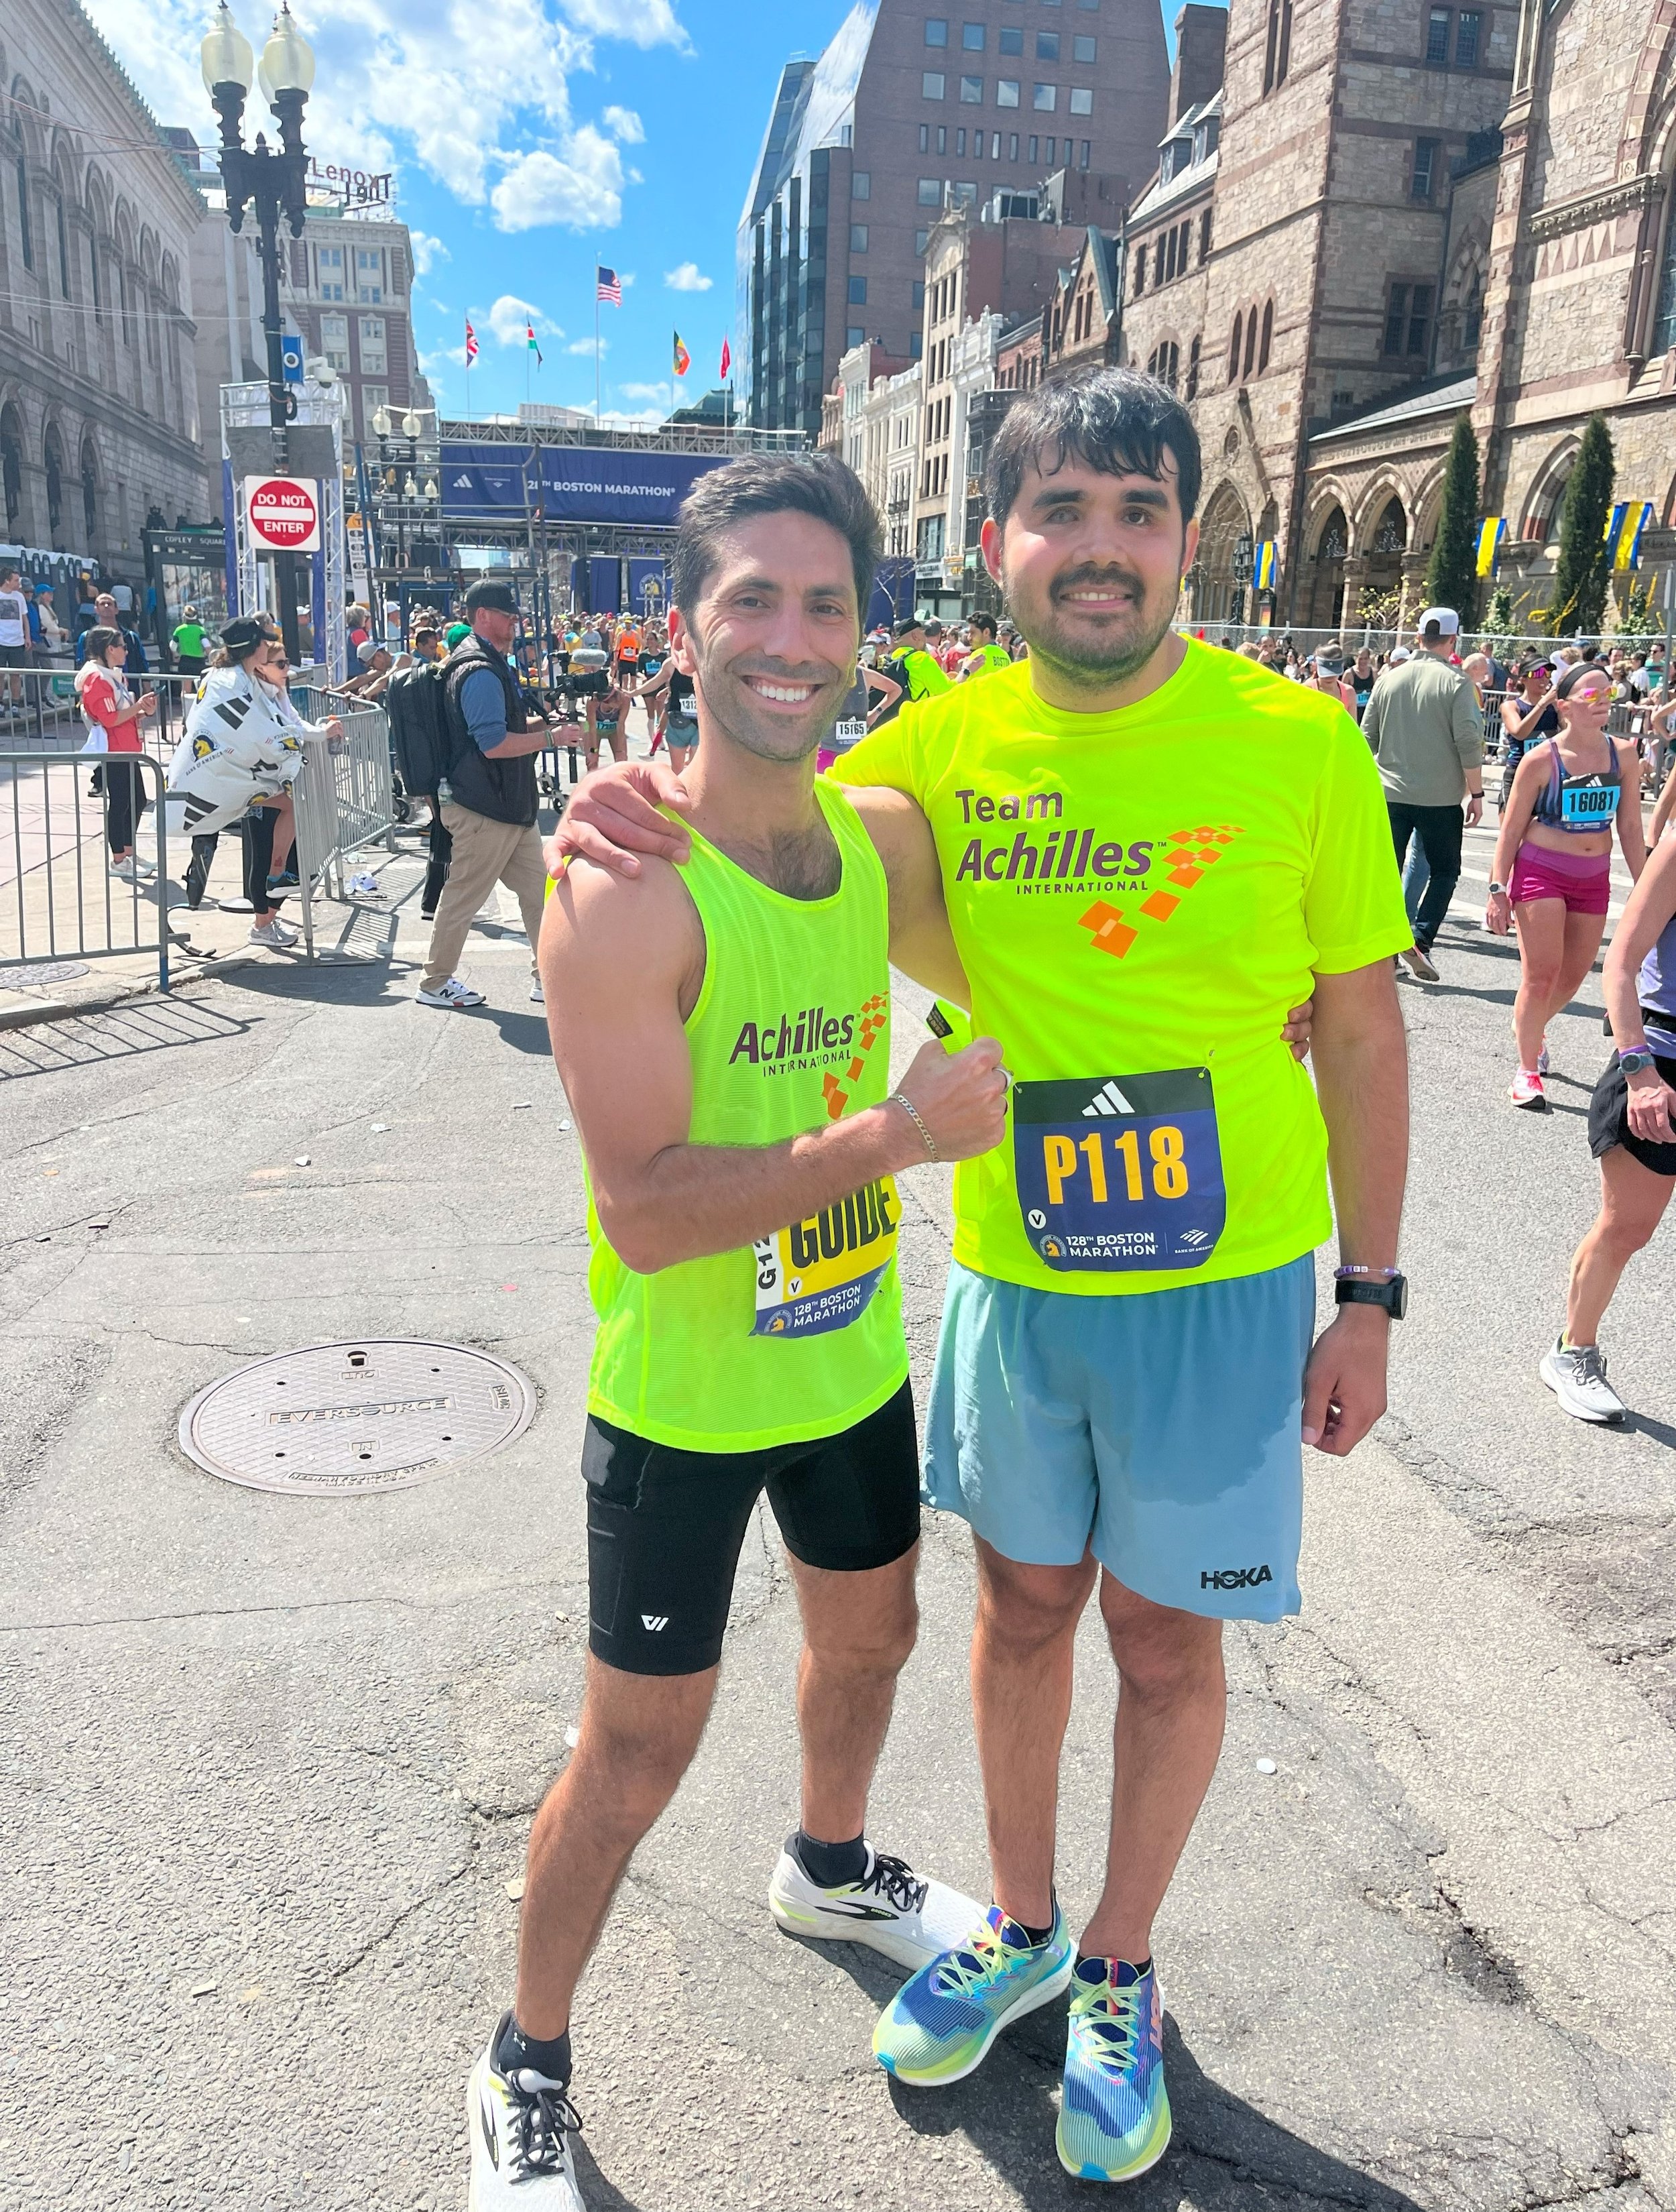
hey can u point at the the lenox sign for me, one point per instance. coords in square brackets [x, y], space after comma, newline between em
[360, 187]
[567, 483]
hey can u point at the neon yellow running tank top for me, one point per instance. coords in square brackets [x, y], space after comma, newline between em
[801, 1336]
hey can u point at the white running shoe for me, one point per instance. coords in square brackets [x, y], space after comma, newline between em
[537, 995]
[145, 867]
[1418, 961]
[520, 2131]
[124, 870]
[890, 1909]
[1576, 1374]
[283, 931]
[274, 934]
[453, 992]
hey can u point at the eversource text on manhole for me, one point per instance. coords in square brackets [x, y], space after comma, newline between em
[283, 1422]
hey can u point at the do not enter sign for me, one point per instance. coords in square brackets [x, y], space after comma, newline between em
[283, 513]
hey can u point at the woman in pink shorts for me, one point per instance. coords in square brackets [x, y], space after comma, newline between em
[1552, 870]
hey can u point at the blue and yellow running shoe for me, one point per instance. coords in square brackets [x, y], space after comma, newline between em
[943, 2020]
[1115, 2115]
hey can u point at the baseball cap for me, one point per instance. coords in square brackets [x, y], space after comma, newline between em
[489, 593]
[1439, 621]
[907, 625]
[364, 654]
[245, 632]
[1400, 653]
[455, 631]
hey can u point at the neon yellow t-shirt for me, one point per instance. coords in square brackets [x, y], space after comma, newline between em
[1138, 898]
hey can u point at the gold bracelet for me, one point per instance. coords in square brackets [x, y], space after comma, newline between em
[914, 1115]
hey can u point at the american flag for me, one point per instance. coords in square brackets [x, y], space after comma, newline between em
[610, 287]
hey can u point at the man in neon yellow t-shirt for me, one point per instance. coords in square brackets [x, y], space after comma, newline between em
[1149, 850]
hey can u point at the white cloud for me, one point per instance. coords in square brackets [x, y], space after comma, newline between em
[622, 123]
[687, 278]
[427, 251]
[657, 393]
[406, 79]
[585, 346]
[510, 317]
[581, 189]
[432, 363]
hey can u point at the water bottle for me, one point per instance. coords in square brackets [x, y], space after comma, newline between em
[445, 793]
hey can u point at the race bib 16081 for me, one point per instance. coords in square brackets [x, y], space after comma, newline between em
[1118, 1172]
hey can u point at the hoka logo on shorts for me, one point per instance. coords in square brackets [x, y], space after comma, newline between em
[1228, 1579]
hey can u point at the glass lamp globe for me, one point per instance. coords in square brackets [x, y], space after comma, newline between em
[225, 54]
[288, 60]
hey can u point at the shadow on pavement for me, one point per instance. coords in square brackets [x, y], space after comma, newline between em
[120, 1033]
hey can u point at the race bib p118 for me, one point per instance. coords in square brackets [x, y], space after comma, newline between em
[1119, 1172]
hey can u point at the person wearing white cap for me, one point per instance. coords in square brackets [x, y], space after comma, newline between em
[1426, 728]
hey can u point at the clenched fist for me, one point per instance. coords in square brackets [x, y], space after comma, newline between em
[961, 1097]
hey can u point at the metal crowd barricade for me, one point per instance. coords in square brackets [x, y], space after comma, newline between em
[60, 900]
[39, 711]
[344, 798]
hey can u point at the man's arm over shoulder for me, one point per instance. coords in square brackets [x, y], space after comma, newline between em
[921, 944]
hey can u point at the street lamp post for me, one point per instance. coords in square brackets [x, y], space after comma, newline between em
[275, 184]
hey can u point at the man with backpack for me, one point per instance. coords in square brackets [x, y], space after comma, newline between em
[484, 745]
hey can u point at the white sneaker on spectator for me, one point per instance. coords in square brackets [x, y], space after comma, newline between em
[453, 992]
[283, 931]
[274, 935]
[536, 991]
[124, 869]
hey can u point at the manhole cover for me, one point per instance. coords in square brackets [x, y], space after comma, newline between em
[337, 1419]
[45, 971]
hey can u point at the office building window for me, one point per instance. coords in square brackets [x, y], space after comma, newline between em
[1083, 152]
[1033, 156]
[374, 361]
[854, 336]
[1046, 45]
[937, 31]
[971, 37]
[932, 84]
[857, 237]
[1468, 28]
[916, 343]
[861, 184]
[971, 91]
[942, 138]
[1425, 163]
[960, 143]
[995, 147]
[919, 292]
[368, 275]
[1044, 98]
[1082, 47]
[329, 268]
[1006, 92]
[372, 396]
[1437, 38]
[1047, 153]
[931, 193]
[921, 239]
[963, 195]
[1082, 100]
[335, 340]
[1408, 320]
[1011, 38]
[858, 291]
[1012, 145]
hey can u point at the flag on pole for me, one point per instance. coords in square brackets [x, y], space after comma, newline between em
[726, 360]
[683, 359]
[1266, 565]
[470, 344]
[608, 286]
[1492, 530]
[529, 332]
[1624, 526]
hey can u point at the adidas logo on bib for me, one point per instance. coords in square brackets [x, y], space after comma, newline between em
[1108, 1099]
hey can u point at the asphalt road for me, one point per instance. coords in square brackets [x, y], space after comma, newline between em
[269, 1761]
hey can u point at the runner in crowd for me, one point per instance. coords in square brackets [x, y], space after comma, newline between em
[112, 715]
[1425, 725]
[608, 716]
[1329, 677]
[1528, 716]
[1552, 869]
[857, 713]
[912, 664]
[1145, 848]
[723, 1032]
[985, 652]
[1631, 1134]
[1360, 677]
[242, 752]
[188, 639]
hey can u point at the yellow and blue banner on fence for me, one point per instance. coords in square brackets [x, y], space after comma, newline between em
[1624, 528]
[1492, 530]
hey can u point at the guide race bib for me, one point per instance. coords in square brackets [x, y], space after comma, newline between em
[1119, 1172]
[819, 1274]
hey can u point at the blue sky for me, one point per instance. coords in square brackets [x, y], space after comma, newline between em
[569, 131]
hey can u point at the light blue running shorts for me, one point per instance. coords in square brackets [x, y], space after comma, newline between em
[1164, 1429]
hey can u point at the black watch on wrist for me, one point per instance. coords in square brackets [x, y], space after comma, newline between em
[1392, 1295]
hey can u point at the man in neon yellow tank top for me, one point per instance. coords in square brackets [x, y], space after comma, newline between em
[723, 1031]
[1148, 850]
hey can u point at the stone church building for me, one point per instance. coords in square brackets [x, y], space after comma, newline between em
[1369, 216]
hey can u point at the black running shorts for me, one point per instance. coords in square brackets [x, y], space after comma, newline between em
[665, 1527]
[1609, 1119]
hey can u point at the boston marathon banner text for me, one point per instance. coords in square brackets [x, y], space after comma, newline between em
[579, 484]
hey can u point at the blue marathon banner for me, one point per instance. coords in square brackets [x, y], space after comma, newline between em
[569, 484]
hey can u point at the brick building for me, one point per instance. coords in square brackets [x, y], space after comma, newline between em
[99, 412]
[907, 110]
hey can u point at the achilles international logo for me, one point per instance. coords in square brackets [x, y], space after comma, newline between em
[814, 1036]
[1186, 856]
